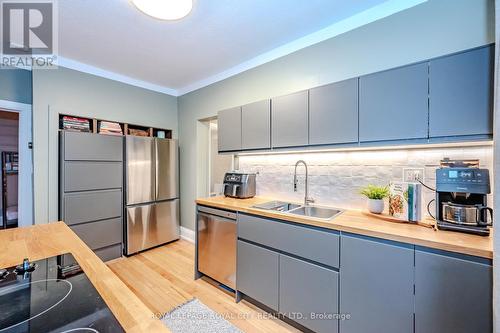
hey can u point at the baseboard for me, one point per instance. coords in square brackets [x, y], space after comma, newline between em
[187, 234]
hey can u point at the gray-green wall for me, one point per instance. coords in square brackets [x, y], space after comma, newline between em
[68, 91]
[434, 28]
[15, 85]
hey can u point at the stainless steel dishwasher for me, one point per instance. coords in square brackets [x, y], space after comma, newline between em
[216, 245]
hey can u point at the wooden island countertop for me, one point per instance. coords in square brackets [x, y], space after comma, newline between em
[359, 223]
[42, 241]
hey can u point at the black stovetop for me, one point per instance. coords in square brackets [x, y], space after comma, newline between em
[48, 300]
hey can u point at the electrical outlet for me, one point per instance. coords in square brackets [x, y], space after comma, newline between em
[413, 174]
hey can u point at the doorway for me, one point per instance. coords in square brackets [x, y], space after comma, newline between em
[219, 164]
[212, 166]
[16, 165]
[9, 176]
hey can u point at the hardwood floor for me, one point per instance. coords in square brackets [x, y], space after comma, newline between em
[163, 279]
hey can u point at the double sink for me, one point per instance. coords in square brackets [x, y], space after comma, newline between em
[323, 213]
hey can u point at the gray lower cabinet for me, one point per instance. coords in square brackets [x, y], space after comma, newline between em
[376, 285]
[290, 119]
[79, 146]
[91, 190]
[257, 273]
[393, 105]
[308, 294]
[88, 206]
[106, 253]
[291, 269]
[453, 294]
[85, 176]
[256, 125]
[229, 129]
[109, 252]
[100, 234]
[333, 113]
[379, 286]
[321, 246]
[461, 94]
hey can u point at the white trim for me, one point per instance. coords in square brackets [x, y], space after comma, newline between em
[368, 16]
[81, 67]
[14, 106]
[187, 234]
[25, 185]
[209, 159]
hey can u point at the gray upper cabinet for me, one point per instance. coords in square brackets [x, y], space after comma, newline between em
[308, 289]
[450, 97]
[256, 125]
[333, 113]
[290, 120]
[376, 285]
[461, 94]
[393, 105]
[229, 129]
[452, 294]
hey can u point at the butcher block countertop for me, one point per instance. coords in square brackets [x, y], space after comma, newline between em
[48, 240]
[359, 223]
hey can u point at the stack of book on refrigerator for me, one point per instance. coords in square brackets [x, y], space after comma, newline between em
[110, 128]
[75, 124]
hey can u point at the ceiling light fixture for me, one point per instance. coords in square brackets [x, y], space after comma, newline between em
[165, 9]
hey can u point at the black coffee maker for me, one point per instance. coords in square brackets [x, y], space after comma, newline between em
[461, 199]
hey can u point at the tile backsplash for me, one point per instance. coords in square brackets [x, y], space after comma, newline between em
[335, 178]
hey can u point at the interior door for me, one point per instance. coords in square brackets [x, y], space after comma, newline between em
[140, 170]
[167, 169]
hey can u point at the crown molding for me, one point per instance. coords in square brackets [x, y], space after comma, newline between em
[370, 15]
[89, 69]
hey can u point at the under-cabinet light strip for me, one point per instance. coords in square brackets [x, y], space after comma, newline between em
[464, 144]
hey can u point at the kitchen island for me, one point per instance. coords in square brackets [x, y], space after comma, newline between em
[42, 241]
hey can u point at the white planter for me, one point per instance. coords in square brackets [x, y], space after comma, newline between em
[376, 206]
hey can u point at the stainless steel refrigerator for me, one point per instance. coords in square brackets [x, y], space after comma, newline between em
[151, 192]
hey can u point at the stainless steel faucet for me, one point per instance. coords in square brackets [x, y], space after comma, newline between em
[307, 199]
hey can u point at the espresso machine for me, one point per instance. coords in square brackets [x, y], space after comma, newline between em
[461, 199]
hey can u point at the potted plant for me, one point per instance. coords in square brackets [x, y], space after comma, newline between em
[375, 195]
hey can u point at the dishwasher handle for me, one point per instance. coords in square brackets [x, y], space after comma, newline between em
[218, 212]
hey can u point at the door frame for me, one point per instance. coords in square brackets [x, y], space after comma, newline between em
[25, 182]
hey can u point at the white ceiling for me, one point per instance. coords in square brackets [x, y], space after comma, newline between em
[218, 39]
